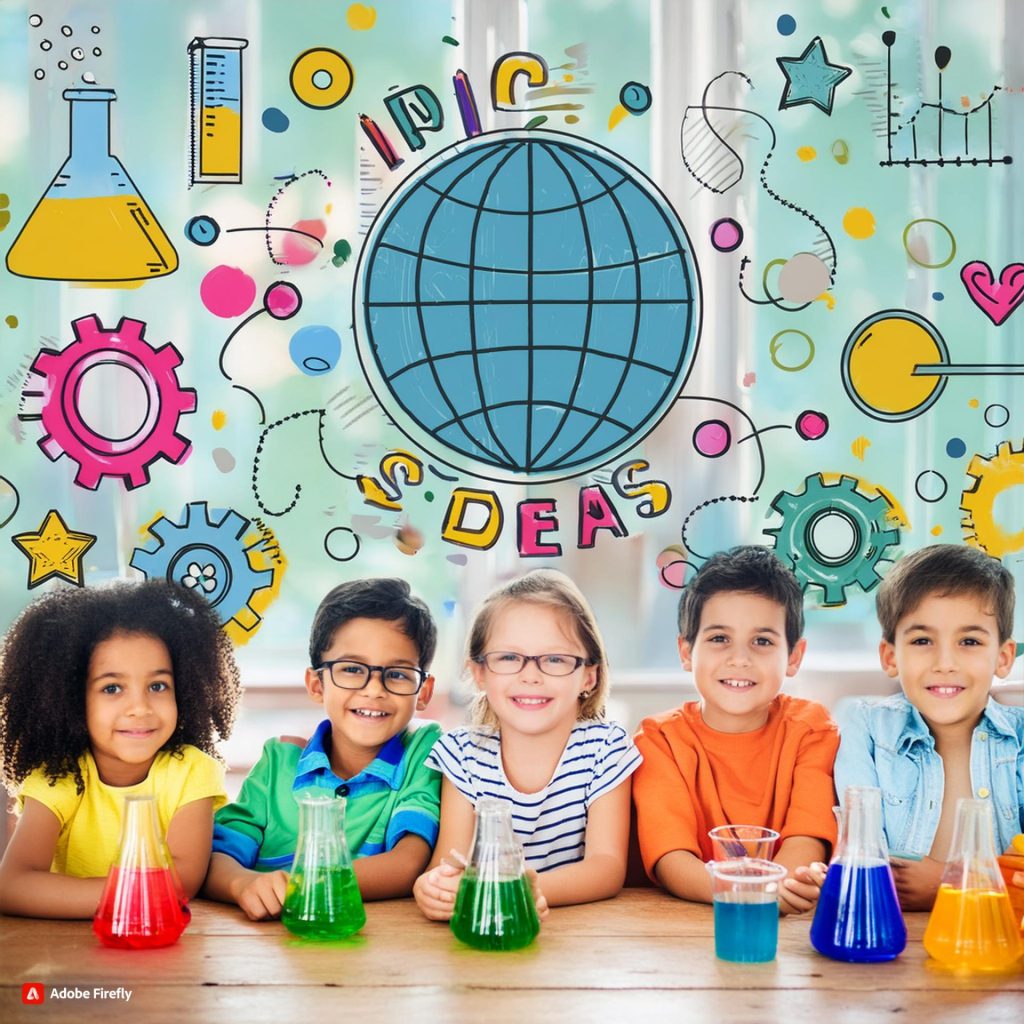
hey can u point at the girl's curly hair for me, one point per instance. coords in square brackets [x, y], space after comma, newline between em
[44, 660]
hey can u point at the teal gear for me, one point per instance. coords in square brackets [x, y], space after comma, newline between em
[802, 513]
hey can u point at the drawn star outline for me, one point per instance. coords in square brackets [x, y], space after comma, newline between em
[810, 78]
[54, 550]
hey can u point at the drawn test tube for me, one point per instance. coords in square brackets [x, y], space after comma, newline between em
[216, 100]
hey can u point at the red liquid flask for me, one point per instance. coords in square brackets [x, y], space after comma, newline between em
[143, 904]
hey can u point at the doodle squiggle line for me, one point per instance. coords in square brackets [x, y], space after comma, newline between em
[17, 501]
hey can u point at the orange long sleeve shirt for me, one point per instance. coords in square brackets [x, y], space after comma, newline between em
[694, 778]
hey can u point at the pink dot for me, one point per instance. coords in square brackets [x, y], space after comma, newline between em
[227, 291]
[282, 300]
[712, 439]
[299, 248]
[811, 425]
[726, 234]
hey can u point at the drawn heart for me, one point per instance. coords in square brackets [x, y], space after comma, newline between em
[996, 301]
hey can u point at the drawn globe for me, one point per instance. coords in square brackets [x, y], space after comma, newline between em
[527, 306]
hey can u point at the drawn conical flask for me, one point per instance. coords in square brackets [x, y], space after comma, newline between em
[92, 223]
[494, 907]
[972, 926]
[143, 905]
[322, 900]
[858, 914]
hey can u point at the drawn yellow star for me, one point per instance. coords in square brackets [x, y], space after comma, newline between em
[54, 550]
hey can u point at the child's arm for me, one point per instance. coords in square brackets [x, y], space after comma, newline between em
[189, 838]
[435, 889]
[684, 875]
[390, 875]
[803, 857]
[917, 881]
[260, 894]
[602, 871]
[27, 886]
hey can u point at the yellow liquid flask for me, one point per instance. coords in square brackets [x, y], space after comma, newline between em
[972, 926]
[92, 224]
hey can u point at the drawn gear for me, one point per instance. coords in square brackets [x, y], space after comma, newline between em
[991, 477]
[67, 432]
[865, 518]
[217, 544]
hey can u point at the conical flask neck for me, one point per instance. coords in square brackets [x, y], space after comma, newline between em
[861, 836]
[89, 114]
[142, 845]
[972, 860]
[496, 853]
[322, 840]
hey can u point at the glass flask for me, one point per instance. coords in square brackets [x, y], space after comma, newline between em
[494, 907]
[746, 901]
[322, 900]
[143, 904]
[92, 223]
[858, 913]
[972, 925]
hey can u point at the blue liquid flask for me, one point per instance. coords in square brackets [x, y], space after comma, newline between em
[858, 914]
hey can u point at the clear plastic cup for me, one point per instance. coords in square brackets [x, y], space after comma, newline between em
[730, 841]
[746, 901]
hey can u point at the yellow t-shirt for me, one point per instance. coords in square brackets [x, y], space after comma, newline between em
[90, 822]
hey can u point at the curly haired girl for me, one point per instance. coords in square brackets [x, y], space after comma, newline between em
[109, 692]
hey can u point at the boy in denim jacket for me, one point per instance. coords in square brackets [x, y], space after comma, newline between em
[946, 613]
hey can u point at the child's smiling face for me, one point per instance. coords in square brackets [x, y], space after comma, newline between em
[739, 659]
[130, 708]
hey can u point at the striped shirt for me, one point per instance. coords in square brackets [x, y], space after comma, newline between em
[551, 823]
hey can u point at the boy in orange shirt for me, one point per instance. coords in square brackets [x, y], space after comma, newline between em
[744, 754]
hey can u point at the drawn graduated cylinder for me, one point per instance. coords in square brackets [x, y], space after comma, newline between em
[92, 224]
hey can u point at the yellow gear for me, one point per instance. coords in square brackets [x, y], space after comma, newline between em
[991, 477]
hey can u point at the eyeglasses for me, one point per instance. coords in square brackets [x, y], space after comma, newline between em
[507, 663]
[401, 680]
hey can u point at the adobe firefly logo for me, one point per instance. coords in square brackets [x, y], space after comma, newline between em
[33, 992]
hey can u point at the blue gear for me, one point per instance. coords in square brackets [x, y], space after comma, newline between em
[204, 541]
[866, 519]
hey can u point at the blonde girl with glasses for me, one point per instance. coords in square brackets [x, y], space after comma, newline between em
[539, 741]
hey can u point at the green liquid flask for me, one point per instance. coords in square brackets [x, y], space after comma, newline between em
[322, 900]
[494, 907]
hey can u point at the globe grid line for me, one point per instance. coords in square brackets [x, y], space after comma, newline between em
[537, 273]
[585, 343]
[635, 217]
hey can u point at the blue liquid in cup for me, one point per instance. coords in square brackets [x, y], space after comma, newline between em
[746, 933]
[858, 915]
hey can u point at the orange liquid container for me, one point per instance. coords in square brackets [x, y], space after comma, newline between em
[974, 930]
[1009, 865]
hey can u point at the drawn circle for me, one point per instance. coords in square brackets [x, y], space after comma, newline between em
[712, 438]
[776, 344]
[811, 425]
[65, 30]
[88, 77]
[841, 151]
[315, 349]
[671, 564]
[997, 415]
[62, 64]
[955, 448]
[931, 486]
[227, 291]
[95, 30]
[78, 53]
[833, 536]
[908, 244]
[112, 377]
[97, 52]
[40, 74]
[786, 24]
[321, 78]
[202, 230]
[341, 544]
[726, 234]
[282, 300]
[46, 45]
[879, 362]
[635, 97]
[35, 20]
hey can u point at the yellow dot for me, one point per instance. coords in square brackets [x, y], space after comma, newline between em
[218, 419]
[973, 403]
[806, 153]
[936, 531]
[859, 222]
[567, 78]
[571, 119]
[360, 17]
[328, 208]
[11, 321]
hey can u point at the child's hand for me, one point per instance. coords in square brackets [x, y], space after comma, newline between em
[917, 881]
[434, 891]
[799, 892]
[539, 899]
[263, 896]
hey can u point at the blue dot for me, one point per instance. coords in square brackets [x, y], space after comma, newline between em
[635, 97]
[275, 120]
[202, 230]
[955, 448]
[786, 24]
[938, 296]
[315, 349]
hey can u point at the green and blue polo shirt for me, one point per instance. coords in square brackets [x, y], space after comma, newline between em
[393, 796]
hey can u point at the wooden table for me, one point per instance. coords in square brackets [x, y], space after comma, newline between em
[637, 958]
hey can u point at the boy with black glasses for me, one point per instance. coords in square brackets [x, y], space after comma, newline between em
[370, 646]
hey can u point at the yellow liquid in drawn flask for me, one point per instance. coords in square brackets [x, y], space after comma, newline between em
[92, 224]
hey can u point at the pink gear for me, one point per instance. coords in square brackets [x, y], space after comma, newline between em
[68, 434]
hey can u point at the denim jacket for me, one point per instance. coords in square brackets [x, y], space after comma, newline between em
[888, 744]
